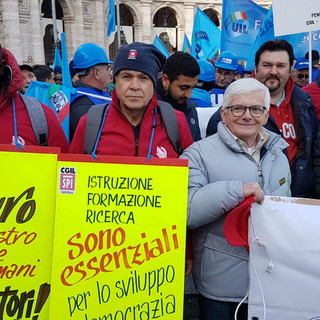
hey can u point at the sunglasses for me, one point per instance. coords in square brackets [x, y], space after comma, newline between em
[302, 76]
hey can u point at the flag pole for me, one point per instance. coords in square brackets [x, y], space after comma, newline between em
[54, 22]
[118, 23]
[310, 57]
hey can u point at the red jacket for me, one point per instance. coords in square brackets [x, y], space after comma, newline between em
[26, 136]
[314, 90]
[118, 137]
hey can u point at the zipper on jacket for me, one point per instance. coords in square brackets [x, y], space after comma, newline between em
[136, 146]
[260, 174]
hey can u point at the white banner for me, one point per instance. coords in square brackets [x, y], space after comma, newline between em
[295, 16]
[284, 238]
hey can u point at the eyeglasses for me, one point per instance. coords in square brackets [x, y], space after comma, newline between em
[226, 74]
[238, 110]
[302, 76]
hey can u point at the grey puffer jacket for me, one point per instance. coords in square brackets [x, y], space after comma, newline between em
[218, 170]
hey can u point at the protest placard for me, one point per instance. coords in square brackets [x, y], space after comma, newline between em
[119, 250]
[284, 261]
[27, 206]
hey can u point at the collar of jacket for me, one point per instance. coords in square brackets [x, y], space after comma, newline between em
[165, 96]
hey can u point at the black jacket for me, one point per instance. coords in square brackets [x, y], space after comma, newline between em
[189, 109]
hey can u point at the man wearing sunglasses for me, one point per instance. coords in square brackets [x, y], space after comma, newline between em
[300, 72]
[291, 114]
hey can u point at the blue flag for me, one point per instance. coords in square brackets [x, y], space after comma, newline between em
[57, 59]
[186, 46]
[241, 20]
[303, 46]
[66, 77]
[111, 18]
[266, 33]
[205, 37]
[160, 46]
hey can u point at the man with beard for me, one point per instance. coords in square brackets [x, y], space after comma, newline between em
[179, 77]
[291, 113]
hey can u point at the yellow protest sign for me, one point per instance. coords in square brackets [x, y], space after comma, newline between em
[27, 206]
[119, 250]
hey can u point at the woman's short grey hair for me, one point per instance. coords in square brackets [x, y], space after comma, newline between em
[243, 87]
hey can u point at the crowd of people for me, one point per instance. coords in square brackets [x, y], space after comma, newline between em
[263, 139]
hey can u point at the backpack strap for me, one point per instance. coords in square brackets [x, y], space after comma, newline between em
[37, 117]
[93, 124]
[95, 120]
[171, 124]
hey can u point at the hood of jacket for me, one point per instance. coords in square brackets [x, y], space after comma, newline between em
[16, 81]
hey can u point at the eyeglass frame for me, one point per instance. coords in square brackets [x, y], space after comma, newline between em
[231, 108]
[227, 74]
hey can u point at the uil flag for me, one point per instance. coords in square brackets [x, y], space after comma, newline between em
[241, 20]
[160, 46]
[266, 33]
[186, 46]
[111, 18]
[205, 37]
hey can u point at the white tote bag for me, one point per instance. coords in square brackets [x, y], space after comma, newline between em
[284, 261]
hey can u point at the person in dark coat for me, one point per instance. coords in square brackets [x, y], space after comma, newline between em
[179, 77]
[292, 113]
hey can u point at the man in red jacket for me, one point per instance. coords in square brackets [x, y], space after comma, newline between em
[132, 123]
[15, 125]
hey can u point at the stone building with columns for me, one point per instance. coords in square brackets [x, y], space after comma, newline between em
[27, 26]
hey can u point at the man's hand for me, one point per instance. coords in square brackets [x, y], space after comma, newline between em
[189, 265]
[253, 189]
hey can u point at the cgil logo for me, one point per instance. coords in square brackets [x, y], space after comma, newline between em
[67, 170]
[67, 180]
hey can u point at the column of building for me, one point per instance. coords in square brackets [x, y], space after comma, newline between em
[11, 28]
[74, 28]
[99, 23]
[146, 20]
[37, 50]
[189, 13]
[78, 23]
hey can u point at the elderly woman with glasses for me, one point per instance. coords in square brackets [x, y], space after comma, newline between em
[242, 159]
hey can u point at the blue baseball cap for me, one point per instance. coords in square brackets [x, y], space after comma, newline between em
[227, 60]
[301, 63]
